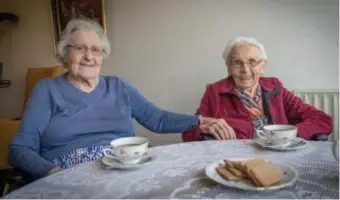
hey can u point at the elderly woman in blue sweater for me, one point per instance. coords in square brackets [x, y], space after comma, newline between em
[70, 119]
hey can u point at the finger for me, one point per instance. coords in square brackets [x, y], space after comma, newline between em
[204, 128]
[206, 120]
[219, 131]
[214, 133]
[231, 132]
[214, 128]
[223, 127]
[208, 129]
[217, 136]
[220, 128]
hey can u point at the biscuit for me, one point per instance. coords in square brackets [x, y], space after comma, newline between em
[229, 163]
[239, 165]
[227, 174]
[265, 175]
[248, 165]
[255, 181]
[259, 171]
[253, 162]
[231, 166]
[237, 172]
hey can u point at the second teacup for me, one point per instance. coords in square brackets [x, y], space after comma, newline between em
[128, 150]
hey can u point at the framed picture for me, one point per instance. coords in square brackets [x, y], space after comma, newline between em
[65, 10]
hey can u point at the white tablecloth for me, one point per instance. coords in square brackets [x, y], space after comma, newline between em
[178, 172]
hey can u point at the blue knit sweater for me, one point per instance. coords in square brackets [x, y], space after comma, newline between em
[60, 117]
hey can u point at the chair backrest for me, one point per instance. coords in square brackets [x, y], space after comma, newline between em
[33, 75]
[9, 126]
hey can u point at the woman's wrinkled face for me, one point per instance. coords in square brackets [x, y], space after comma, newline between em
[246, 65]
[85, 56]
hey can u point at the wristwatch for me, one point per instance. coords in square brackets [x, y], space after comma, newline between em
[200, 117]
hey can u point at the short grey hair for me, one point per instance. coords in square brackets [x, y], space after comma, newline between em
[239, 40]
[77, 25]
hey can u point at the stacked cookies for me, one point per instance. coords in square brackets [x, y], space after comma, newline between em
[260, 172]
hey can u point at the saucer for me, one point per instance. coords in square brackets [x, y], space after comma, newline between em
[295, 144]
[111, 163]
[135, 158]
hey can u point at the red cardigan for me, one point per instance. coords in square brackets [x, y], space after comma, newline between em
[282, 107]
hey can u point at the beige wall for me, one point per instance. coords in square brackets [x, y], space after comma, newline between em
[27, 44]
[169, 50]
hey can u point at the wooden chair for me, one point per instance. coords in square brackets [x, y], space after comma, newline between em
[9, 126]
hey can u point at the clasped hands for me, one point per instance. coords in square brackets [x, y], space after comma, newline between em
[218, 128]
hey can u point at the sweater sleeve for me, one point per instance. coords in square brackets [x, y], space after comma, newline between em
[156, 119]
[24, 151]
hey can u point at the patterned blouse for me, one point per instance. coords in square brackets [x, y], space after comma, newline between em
[254, 106]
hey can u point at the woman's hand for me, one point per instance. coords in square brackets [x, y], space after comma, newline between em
[217, 128]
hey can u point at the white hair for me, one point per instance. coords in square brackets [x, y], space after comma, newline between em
[77, 25]
[239, 40]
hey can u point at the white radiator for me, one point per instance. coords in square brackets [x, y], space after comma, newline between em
[325, 100]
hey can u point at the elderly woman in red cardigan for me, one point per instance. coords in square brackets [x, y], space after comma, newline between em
[245, 101]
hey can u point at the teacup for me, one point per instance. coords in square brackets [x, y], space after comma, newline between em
[128, 150]
[278, 134]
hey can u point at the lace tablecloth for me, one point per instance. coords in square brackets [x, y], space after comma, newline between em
[178, 172]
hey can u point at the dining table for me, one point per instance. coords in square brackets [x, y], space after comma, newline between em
[178, 171]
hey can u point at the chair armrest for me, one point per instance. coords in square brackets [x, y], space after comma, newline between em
[14, 179]
[8, 129]
[18, 178]
[319, 137]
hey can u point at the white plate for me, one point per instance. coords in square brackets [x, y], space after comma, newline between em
[288, 176]
[115, 164]
[296, 144]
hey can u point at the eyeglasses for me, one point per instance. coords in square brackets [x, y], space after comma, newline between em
[251, 63]
[95, 51]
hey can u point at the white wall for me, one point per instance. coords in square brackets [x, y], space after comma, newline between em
[169, 49]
